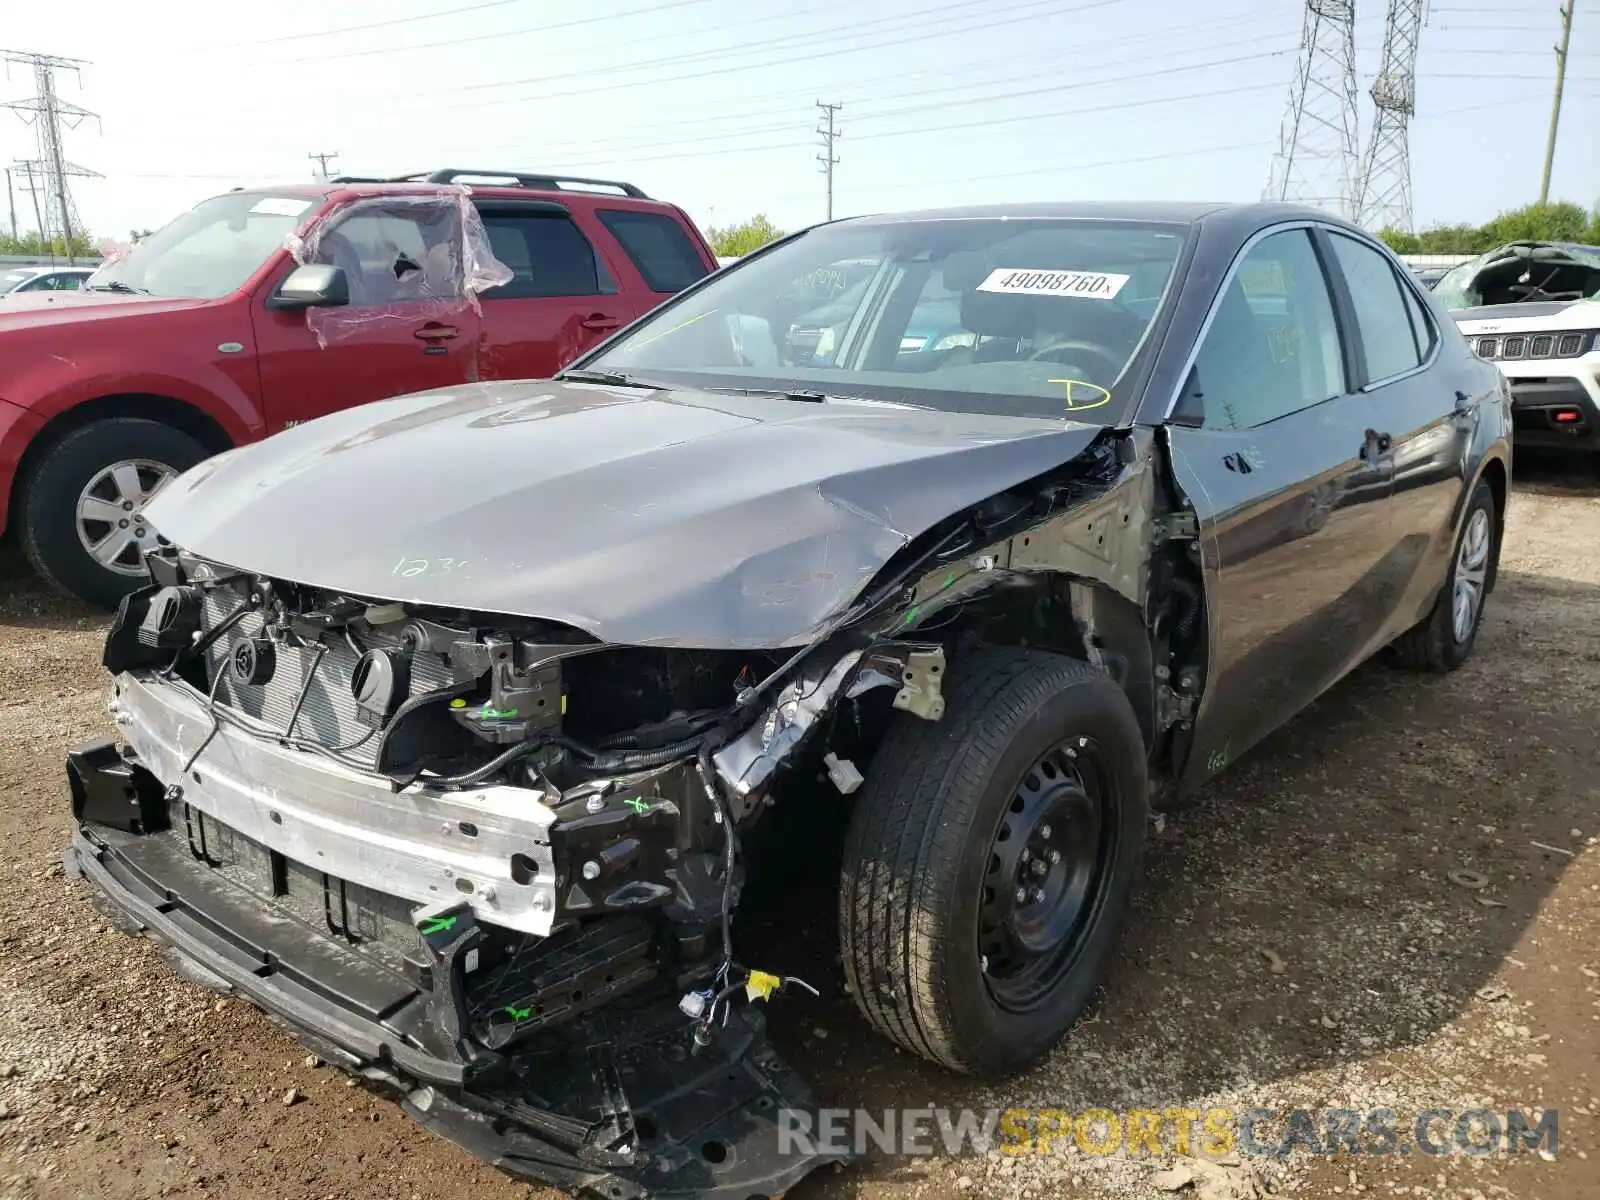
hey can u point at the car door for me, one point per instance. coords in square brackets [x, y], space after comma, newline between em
[1425, 423]
[659, 249]
[406, 329]
[563, 297]
[1290, 494]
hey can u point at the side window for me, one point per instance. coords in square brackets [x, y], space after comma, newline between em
[71, 283]
[548, 256]
[1421, 324]
[390, 258]
[1388, 334]
[658, 246]
[1273, 345]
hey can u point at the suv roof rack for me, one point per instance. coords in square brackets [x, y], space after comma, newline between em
[529, 179]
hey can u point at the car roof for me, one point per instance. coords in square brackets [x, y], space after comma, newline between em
[346, 189]
[1174, 212]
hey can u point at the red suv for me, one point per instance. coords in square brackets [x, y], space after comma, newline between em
[265, 307]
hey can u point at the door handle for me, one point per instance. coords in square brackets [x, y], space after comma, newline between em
[437, 333]
[599, 322]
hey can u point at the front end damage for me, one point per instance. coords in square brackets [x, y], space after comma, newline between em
[492, 862]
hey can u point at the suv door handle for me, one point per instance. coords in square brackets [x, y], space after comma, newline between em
[599, 322]
[434, 333]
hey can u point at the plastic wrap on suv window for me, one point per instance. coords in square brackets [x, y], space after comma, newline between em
[440, 279]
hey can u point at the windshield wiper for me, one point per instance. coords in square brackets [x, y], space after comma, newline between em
[615, 378]
[800, 394]
[116, 285]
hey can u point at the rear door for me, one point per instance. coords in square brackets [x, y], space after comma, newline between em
[1426, 426]
[406, 329]
[563, 296]
[1290, 493]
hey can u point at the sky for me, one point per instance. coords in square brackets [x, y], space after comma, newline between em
[712, 103]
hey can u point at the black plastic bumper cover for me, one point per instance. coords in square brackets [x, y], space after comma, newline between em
[673, 1124]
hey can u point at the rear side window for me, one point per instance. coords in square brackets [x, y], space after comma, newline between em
[548, 256]
[1388, 332]
[658, 246]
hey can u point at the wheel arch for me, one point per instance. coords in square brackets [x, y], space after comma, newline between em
[148, 406]
[1077, 617]
[1496, 472]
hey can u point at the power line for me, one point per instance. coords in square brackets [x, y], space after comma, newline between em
[1079, 84]
[515, 33]
[430, 16]
[1028, 10]
[829, 134]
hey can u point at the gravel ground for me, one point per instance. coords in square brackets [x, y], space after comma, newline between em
[1331, 847]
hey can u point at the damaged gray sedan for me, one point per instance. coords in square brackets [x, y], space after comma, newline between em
[453, 730]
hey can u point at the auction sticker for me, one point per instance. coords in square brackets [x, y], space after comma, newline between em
[280, 206]
[1087, 285]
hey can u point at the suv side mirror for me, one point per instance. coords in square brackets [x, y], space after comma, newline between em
[314, 285]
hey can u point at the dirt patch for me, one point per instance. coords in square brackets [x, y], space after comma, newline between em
[1351, 846]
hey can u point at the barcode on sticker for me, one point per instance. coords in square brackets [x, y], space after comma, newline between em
[1087, 285]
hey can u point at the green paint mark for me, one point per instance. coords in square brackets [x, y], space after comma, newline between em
[437, 925]
[638, 805]
[458, 703]
[911, 615]
[519, 1014]
[496, 714]
[948, 580]
[1216, 760]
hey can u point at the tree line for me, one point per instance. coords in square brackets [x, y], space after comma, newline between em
[1555, 222]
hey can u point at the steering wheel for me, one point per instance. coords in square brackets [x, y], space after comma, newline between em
[1069, 350]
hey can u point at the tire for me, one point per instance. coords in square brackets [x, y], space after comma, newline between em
[921, 842]
[53, 487]
[1435, 644]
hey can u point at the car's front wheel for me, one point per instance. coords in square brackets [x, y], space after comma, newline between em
[83, 520]
[990, 859]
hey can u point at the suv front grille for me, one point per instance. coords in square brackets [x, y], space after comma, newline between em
[1538, 345]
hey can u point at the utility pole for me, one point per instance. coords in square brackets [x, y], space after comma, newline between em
[829, 133]
[11, 202]
[49, 115]
[1555, 108]
[321, 159]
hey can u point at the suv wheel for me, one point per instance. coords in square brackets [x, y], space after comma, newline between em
[990, 860]
[82, 512]
[1444, 639]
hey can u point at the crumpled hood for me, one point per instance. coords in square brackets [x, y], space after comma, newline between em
[641, 517]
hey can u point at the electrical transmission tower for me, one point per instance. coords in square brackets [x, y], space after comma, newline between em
[47, 174]
[1385, 196]
[1317, 159]
[830, 134]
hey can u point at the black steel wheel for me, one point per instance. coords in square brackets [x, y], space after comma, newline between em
[991, 857]
[1048, 874]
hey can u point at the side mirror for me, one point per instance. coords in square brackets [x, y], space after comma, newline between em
[314, 285]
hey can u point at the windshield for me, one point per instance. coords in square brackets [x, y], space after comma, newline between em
[210, 250]
[10, 280]
[1014, 317]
